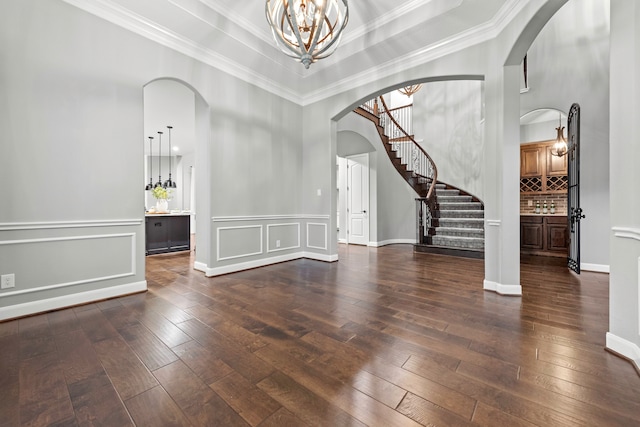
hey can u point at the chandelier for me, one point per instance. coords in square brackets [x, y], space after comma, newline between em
[307, 30]
[410, 90]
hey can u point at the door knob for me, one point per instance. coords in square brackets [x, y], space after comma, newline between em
[364, 211]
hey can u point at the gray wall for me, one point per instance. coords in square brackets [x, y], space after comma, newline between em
[392, 205]
[624, 301]
[447, 120]
[72, 114]
[569, 62]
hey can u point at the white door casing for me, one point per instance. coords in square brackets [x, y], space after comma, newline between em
[358, 199]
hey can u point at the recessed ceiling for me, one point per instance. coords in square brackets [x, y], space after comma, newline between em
[234, 36]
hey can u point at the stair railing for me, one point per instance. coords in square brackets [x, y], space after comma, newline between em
[410, 152]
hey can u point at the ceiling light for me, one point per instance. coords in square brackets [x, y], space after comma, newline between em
[410, 90]
[560, 147]
[307, 30]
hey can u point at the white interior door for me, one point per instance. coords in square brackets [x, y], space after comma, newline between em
[358, 199]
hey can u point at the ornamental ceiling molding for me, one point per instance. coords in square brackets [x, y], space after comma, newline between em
[122, 17]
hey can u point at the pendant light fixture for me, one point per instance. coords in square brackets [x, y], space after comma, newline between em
[159, 183]
[560, 147]
[169, 183]
[150, 184]
[307, 30]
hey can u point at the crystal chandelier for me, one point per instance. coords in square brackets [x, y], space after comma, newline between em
[307, 30]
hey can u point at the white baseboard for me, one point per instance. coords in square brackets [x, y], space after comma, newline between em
[511, 290]
[70, 300]
[342, 240]
[233, 268]
[598, 268]
[392, 242]
[624, 348]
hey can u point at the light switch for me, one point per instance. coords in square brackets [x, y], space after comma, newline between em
[319, 192]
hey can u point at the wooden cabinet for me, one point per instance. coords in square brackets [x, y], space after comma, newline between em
[167, 233]
[544, 235]
[531, 233]
[530, 164]
[540, 171]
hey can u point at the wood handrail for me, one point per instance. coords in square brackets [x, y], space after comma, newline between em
[432, 163]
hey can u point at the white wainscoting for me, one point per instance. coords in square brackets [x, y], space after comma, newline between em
[52, 263]
[295, 245]
[233, 236]
[56, 257]
[292, 240]
[325, 237]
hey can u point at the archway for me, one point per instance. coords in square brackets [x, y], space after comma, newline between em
[173, 102]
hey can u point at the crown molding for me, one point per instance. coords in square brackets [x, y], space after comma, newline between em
[118, 15]
[137, 24]
[458, 42]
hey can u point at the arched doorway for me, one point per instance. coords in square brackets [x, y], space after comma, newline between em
[172, 102]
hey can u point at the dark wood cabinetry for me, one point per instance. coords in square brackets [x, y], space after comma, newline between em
[167, 233]
[540, 171]
[544, 235]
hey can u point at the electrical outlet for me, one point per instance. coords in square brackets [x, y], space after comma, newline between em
[277, 243]
[529, 202]
[7, 281]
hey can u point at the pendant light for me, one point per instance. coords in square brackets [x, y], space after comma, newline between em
[159, 183]
[169, 183]
[150, 184]
[560, 147]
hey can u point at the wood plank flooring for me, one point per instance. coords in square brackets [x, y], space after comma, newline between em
[384, 337]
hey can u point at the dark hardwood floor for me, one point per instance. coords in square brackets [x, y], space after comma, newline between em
[384, 337]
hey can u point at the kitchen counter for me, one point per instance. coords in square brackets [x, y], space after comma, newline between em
[541, 214]
[152, 214]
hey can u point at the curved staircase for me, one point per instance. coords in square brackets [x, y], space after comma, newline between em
[449, 221]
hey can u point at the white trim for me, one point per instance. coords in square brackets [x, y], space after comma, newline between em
[142, 26]
[320, 257]
[511, 290]
[627, 232]
[266, 217]
[392, 242]
[624, 348]
[342, 241]
[33, 307]
[233, 268]
[11, 226]
[77, 282]
[60, 239]
[283, 225]
[120, 16]
[325, 235]
[493, 222]
[200, 266]
[598, 268]
[218, 258]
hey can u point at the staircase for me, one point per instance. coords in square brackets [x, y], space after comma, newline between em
[460, 228]
[449, 221]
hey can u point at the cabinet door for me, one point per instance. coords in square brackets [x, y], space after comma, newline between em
[556, 234]
[530, 161]
[179, 237]
[157, 235]
[530, 236]
[555, 165]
